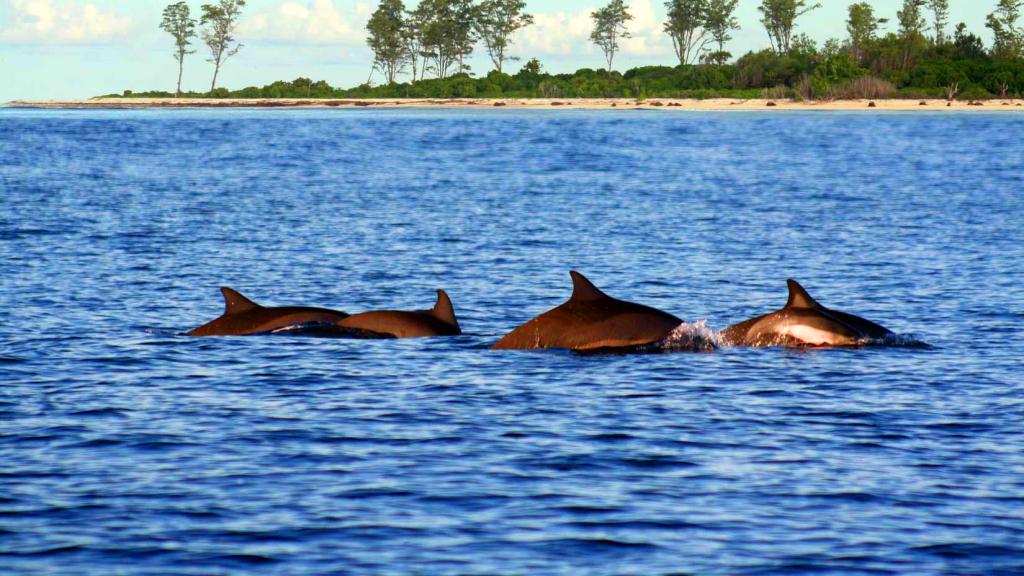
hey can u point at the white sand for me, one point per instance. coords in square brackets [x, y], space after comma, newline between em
[720, 104]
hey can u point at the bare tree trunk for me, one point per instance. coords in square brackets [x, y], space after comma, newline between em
[181, 70]
[216, 72]
[213, 84]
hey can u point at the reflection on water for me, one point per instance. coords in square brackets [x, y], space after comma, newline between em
[126, 448]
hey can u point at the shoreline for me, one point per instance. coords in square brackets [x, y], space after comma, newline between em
[682, 104]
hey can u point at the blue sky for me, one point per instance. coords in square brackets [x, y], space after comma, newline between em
[52, 49]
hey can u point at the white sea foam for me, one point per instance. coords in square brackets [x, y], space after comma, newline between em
[690, 337]
[898, 341]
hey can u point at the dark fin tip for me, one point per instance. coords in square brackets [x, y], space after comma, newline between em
[798, 297]
[235, 303]
[583, 289]
[443, 310]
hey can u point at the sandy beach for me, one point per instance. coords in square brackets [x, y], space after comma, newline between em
[714, 104]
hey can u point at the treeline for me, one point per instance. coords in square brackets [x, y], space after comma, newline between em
[424, 52]
[920, 58]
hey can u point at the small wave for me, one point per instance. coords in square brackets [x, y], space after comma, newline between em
[319, 330]
[165, 332]
[689, 337]
[900, 341]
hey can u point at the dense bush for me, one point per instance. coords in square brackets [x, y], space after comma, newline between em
[882, 70]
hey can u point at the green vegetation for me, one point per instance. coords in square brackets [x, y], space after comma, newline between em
[609, 26]
[496, 22]
[918, 60]
[178, 22]
[779, 20]
[221, 20]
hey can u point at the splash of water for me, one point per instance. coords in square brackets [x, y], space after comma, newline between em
[690, 337]
[899, 341]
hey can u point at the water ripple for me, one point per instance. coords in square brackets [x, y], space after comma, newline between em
[126, 447]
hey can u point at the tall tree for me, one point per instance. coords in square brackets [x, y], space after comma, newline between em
[221, 20]
[912, 27]
[720, 22]
[496, 22]
[609, 27]
[1009, 39]
[444, 31]
[412, 33]
[179, 23]
[862, 24]
[779, 19]
[940, 17]
[387, 38]
[464, 28]
[687, 26]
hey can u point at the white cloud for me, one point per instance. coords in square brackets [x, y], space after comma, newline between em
[564, 34]
[54, 22]
[555, 33]
[310, 22]
[647, 31]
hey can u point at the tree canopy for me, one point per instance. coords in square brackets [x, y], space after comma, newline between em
[609, 27]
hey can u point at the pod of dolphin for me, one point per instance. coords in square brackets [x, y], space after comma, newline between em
[589, 321]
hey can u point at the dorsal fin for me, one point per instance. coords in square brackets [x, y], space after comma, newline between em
[798, 297]
[583, 290]
[235, 303]
[443, 310]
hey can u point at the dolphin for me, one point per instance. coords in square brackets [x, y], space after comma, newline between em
[591, 320]
[244, 317]
[440, 321]
[804, 322]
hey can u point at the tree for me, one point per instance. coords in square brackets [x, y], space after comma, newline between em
[532, 67]
[387, 38]
[609, 26]
[862, 26]
[444, 32]
[779, 19]
[720, 22]
[412, 34]
[967, 45]
[1009, 40]
[496, 22]
[940, 17]
[686, 25]
[464, 28]
[178, 22]
[221, 19]
[912, 27]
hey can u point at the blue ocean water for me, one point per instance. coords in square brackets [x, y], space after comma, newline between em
[126, 448]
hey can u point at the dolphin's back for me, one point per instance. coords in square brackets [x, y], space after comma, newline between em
[263, 320]
[577, 326]
[243, 317]
[591, 320]
[398, 324]
[440, 321]
[803, 322]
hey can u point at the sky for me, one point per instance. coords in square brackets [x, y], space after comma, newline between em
[64, 49]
